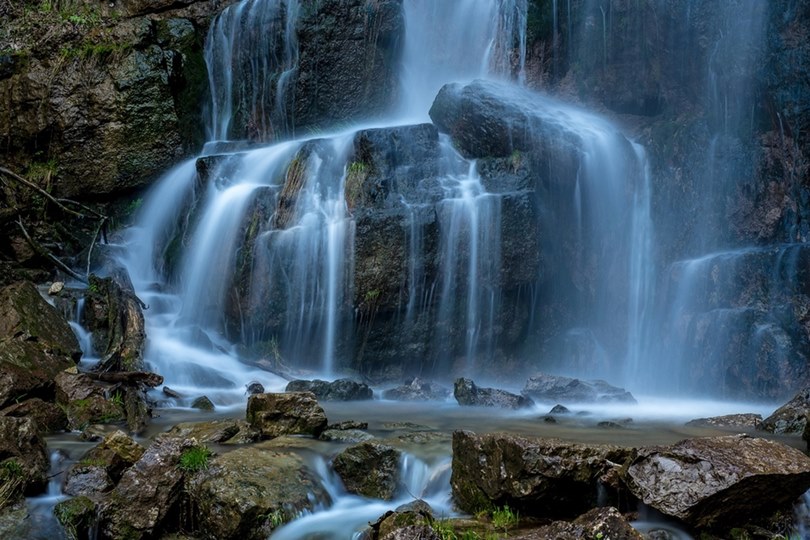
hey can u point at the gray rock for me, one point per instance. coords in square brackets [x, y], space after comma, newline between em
[202, 403]
[229, 431]
[605, 523]
[468, 394]
[346, 435]
[719, 482]
[545, 387]
[22, 452]
[417, 390]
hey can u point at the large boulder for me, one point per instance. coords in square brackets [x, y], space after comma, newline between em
[147, 494]
[85, 402]
[77, 515]
[719, 482]
[247, 493]
[370, 469]
[22, 453]
[36, 343]
[790, 417]
[338, 390]
[537, 477]
[286, 414]
[467, 393]
[557, 389]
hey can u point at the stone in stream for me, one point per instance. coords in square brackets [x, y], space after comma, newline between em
[77, 515]
[535, 476]
[247, 493]
[202, 403]
[254, 387]
[467, 393]
[559, 409]
[339, 390]
[402, 523]
[790, 417]
[742, 421]
[719, 482]
[289, 413]
[370, 469]
[226, 431]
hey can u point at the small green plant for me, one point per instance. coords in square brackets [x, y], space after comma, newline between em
[195, 459]
[117, 398]
[444, 529]
[12, 468]
[276, 518]
[504, 518]
[93, 287]
[133, 206]
[372, 295]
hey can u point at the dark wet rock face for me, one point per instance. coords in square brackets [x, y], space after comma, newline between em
[467, 393]
[537, 477]
[286, 414]
[719, 482]
[370, 469]
[339, 390]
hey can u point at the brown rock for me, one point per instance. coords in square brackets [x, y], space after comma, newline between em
[743, 421]
[50, 418]
[790, 417]
[231, 431]
[536, 477]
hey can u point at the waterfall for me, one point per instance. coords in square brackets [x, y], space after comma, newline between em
[259, 246]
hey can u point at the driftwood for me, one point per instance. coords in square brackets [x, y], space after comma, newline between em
[130, 378]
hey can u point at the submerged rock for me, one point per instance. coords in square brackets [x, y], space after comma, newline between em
[790, 417]
[339, 390]
[719, 482]
[744, 420]
[537, 477]
[554, 388]
[247, 493]
[417, 390]
[286, 414]
[370, 469]
[467, 393]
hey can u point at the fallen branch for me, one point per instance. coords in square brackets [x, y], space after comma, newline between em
[127, 377]
[36, 246]
[41, 191]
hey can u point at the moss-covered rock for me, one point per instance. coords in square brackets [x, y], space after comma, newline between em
[23, 461]
[247, 493]
[230, 431]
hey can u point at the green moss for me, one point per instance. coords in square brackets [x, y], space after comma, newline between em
[87, 50]
[75, 515]
[356, 175]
